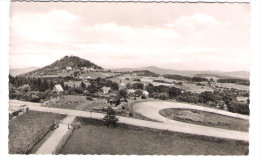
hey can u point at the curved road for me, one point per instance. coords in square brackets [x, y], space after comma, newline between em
[151, 110]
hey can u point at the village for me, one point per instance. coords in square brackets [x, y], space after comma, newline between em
[97, 88]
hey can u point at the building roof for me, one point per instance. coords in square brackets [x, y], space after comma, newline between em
[58, 87]
[106, 88]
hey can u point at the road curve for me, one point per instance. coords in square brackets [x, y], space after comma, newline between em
[165, 123]
[151, 110]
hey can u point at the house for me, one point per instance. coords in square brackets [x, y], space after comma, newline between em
[92, 69]
[122, 86]
[56, 68]
[80, 77]
[114, 99]
[130, 92]
[145, 94]
[63, 71]
[58, 88]
[88, 78]
[106, 90]
[68, 68]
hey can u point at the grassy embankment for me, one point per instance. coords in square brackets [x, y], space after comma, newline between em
[94, 138]
[28, 129]
[206, 119]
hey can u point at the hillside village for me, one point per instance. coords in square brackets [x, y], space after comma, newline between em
[74, 84]
[73, 76]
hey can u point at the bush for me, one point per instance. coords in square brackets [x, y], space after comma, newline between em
[137, 80]
[110, 119]
[89, 98]
[138, 92]
[138, 86]
[163, 96]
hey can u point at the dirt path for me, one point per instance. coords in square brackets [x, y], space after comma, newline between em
[150, 110]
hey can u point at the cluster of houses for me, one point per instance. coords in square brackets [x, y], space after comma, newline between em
[84, 69]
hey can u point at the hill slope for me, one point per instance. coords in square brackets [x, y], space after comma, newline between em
[67, 61]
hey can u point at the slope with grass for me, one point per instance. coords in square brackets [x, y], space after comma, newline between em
[27, 129]
[95, 138]
[206, 119]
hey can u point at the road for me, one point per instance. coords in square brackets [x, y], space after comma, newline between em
[150, 112]
[58, 138]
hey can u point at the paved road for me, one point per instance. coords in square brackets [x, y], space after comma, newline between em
[58, 137]
[151, 110]
[164, 125]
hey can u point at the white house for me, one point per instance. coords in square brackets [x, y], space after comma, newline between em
[84, 68]
[106, 90]
[145, 94]
[58, 88]
[130, 92]
[68, 68]
[88, 77]
[92, 69]
[122, 86]
[80, 77]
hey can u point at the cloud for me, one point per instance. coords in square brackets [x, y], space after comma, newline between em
[48, 27]
[196, 41]
[195, 22]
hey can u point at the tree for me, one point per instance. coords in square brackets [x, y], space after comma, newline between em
[138, 92]
[138, 86]
[163, 96]
[110, 119]
[62, 84]
[206, 96]
[174, 92]
[83, 85]
[114, 86]
[76, 73]
[44, 85]
[199, 79]
[123, 93]
[128, 85]
[51, 85]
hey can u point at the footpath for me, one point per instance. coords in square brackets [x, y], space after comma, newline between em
[59, 137]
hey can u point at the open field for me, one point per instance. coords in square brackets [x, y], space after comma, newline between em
[75, 102]
[236, 86]
[192, 87]
[206, 119]
[97, 74]
[94, 138]
[27, 129]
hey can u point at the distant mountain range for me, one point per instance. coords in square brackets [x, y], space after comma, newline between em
[76, 62]
[190, 73]
[15, 72]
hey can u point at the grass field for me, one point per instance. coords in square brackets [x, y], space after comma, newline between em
[27, 129]
[194, 88]
[94, 138]
[75, 102]
[206, 119]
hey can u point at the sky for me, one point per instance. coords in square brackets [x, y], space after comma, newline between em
[181, 36]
